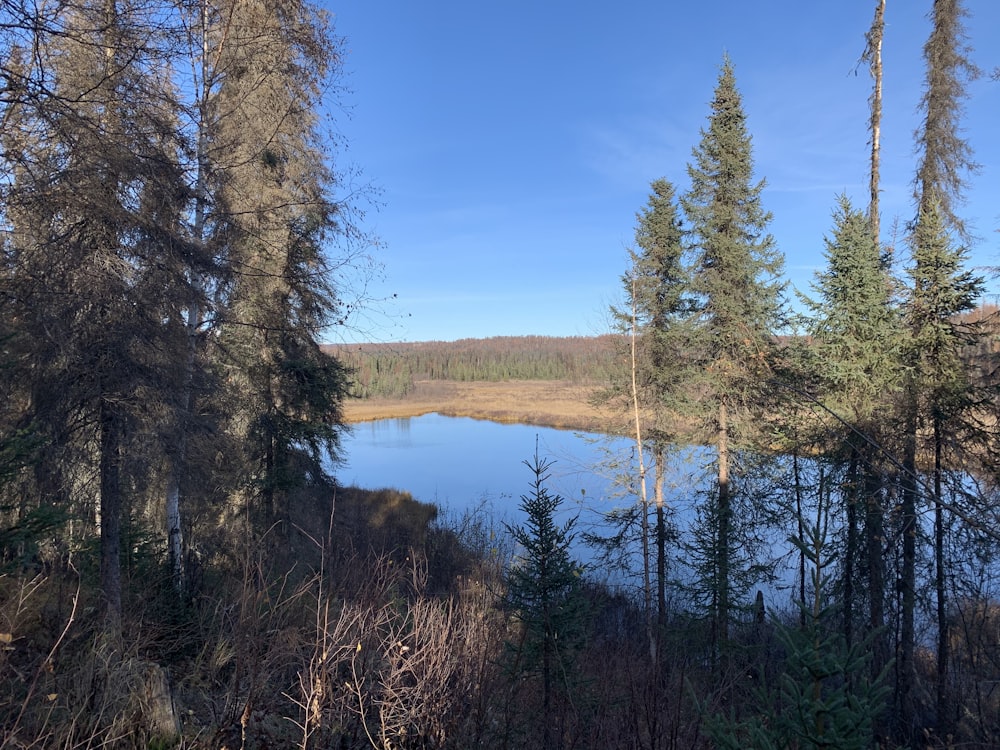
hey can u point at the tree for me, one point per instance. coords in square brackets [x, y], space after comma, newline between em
[873, 56]
[945, 156]
[823, 699]
[944, 402]
[738, 292]
[171, 240]
[545, 594]
[940, 289]
[94, 256]
[656, 289]
[276, 191]
[856, 333]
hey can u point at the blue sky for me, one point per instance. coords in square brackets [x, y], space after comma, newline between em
[513, 143]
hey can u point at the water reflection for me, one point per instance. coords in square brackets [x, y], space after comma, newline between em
[471, 466]
[455, 462]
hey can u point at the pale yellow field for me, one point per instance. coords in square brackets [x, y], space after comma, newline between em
[547, 403]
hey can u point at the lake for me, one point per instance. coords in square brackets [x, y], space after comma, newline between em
[457, 462]
[462, 464]
[467, 465]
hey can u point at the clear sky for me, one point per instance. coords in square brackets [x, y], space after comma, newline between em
[513, 143]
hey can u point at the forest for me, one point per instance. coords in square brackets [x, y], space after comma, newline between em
[180, 568]
[389, 370]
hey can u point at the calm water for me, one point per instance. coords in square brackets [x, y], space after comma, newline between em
[468, 465]
[456, 462]
[463, 464]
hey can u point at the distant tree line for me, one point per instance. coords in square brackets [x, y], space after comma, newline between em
[390, 370]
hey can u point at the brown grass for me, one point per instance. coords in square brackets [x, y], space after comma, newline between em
[546, 403]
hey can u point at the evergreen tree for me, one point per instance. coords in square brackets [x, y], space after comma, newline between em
[141, 223]
[276, 190]
[661, 291]
[736, 283]
[856, 334]
[945, 156]
[823, 699]
[944, 402]
[545, 595]
[95, 257]
[855, 327]
[656, 289]
[940, 288]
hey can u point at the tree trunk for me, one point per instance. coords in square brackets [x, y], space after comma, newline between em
[873, 54]
[944, 711]
[850, 546]
[175, 541]
[661, 543]
[547, 679]
[647, 586]
[801, 533]
[723, 510]
[875, 562]
[111, 515]
[907, 583]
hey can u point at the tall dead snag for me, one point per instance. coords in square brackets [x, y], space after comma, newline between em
[873, 56]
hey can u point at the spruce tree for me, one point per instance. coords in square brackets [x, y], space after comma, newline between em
[658, 292]
[855, 327]
[823, 699]
[276, 189]
[738, 292]
[856, 333]
[96, 260]
[940, 287]
[945, 156]
[545, 595]
[944, 402]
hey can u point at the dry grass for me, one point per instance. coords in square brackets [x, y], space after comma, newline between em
[546, 403]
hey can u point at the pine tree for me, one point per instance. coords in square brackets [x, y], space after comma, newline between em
[736, 282]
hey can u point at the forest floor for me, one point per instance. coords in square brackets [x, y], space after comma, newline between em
[545, 403]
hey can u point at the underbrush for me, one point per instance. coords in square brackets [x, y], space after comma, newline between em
[361, 621]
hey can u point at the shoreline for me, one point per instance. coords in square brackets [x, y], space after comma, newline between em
[544, 403]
